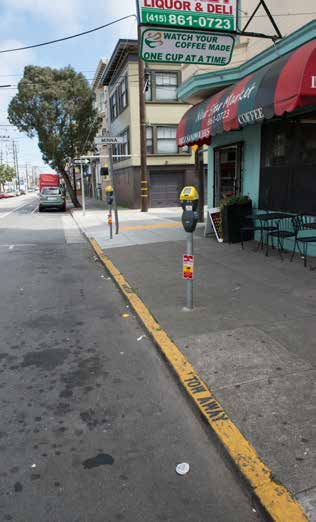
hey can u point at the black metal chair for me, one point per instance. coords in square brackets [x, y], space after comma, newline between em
[305, 236]
[248, 229]
[286, 229]
[254, 224]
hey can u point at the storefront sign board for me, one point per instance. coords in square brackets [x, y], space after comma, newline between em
[180, 46]
[214, 217]
[219, 15]
[188, 267]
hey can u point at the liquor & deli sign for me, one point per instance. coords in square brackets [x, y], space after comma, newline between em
[219, 15]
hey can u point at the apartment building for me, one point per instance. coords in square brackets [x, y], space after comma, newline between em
[169, 166]
[99, 167]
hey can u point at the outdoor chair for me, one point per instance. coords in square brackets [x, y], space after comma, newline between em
[306, 235]
[286, 229]
[253, 224]
[248, 229]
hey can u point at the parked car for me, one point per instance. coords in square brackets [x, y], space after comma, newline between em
[52, 198]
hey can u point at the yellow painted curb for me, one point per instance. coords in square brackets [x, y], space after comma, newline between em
[274, 497]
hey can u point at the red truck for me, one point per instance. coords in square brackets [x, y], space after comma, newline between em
[48, 180]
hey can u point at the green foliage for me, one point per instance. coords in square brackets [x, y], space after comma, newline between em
[7, 174]
[234, 200]
[56, 105]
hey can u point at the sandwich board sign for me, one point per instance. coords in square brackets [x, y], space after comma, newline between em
[218, 15]
[176, 46]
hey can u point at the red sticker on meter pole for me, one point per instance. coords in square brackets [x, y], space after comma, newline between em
[188, 267]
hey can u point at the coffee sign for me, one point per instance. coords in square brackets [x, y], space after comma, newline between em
[181, 46]
[219, 15]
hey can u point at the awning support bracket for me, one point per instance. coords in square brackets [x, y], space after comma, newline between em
[262, 3]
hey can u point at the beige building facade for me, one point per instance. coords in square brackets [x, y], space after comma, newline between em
[169, 167]
[99, 167]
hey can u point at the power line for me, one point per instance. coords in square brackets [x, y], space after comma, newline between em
[68, 37]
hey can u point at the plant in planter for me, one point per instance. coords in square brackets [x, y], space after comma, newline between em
[234, 210]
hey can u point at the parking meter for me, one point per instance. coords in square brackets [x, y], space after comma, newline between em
[109, 195]
[109, 199]
[189, 201]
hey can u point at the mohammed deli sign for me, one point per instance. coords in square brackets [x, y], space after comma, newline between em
[219, 15]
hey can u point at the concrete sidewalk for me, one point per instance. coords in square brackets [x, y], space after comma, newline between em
[251, 336]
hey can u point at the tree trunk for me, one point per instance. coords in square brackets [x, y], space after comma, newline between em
[70, 189]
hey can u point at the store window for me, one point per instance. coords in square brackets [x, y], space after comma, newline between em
[308, 151]
[162, 86]
[288, 166]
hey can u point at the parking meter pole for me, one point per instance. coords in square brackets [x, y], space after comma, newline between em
[110, 222]
[111, 174]
[190, 252]
[82, 192]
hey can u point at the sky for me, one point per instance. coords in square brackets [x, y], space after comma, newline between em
[27, 22]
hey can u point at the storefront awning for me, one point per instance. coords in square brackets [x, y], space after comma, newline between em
[281, 86]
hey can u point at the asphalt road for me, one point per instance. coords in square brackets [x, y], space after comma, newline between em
[93, 423]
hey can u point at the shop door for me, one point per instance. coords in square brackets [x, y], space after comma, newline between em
[227, 172]
[165, 189]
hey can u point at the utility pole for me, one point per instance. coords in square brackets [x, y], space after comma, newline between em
[199, 172]
[16, 163]
[143, 137]
[111, 175]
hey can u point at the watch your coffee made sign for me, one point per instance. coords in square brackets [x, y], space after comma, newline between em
[182, 46]
[218, 15]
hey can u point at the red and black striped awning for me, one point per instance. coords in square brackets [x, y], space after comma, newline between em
[281, 86]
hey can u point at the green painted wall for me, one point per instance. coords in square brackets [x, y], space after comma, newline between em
[251, 137]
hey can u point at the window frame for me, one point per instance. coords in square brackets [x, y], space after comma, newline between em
[118, 149]
[118, 96]
[155, 152]
[153, 86]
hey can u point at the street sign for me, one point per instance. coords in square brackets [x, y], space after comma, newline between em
[182, 46]
[107, 140]
[219, 15]
[188, 267]
[80, 162]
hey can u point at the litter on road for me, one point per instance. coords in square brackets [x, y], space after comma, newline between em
[183, 469]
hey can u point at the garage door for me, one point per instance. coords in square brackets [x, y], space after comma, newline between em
[165, 189]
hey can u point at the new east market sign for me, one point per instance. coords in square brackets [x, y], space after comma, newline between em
[219, 15]
[180, 46]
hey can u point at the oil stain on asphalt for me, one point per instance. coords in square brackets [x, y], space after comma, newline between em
[100, 460]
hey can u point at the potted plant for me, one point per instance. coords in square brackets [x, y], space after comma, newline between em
[234, 210]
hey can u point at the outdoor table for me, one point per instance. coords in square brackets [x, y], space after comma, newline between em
[264, 218]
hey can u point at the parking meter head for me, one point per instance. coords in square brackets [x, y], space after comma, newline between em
[189, 198]
[109, 195]
[189, 220]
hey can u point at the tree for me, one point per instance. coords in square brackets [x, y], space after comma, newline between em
[7, 174]
[56, 105]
